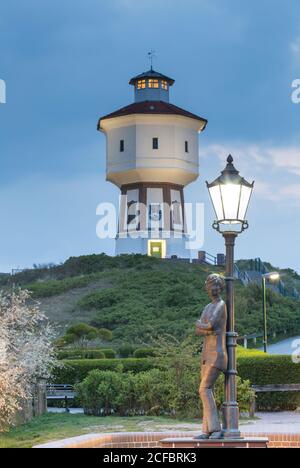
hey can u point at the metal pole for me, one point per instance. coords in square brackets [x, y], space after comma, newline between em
[264, 300]
[230, 407]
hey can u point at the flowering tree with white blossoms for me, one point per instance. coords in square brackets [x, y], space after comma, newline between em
[26, 351]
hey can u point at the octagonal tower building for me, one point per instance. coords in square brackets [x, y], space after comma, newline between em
[152, 154]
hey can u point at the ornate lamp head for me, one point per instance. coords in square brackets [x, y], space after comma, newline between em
[230, 194]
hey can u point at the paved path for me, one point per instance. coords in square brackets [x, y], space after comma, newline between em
[274, 423]
[287, 347]
[271, 423]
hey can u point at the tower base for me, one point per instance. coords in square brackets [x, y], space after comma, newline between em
[154, 247]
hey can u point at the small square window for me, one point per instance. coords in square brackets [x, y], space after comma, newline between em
[153, 84]
[164, 85]
[186, 144]
[155, 143]
[141, 84]
[122, 146]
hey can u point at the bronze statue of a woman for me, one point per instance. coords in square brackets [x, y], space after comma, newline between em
[212, 325]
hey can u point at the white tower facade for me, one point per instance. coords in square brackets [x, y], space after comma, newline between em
[152, 154]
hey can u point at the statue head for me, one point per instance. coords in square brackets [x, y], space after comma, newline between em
[215, 284]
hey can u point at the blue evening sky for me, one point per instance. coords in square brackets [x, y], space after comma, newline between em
[67, 62]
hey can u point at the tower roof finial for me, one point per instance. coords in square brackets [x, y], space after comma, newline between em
[151, 56]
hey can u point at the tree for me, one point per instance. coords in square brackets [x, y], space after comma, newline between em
[26, 351]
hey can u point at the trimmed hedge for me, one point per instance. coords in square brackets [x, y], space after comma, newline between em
[267, 370]
[71, 354]
[155, 392]
[76, 371]
[144, 353]
[260, 369]
[80, 354]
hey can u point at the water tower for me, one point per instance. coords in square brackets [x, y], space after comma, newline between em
[152, 154]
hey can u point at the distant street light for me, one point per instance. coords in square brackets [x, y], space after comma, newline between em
[273, 276]
[230, 194]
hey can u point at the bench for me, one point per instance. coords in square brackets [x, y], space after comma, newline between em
[274, 388]
[63, 392]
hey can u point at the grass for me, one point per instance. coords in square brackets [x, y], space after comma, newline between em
[51, 427]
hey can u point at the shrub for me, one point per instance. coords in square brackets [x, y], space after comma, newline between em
[69, 338]
[99, 392]
[154, 392]
[76, 371]
[144, 353]
[105, 334]
[126, 350]
[266, 370]
[84, 331]
[100, 299]
[55, 287]
[258, 368]
[86, 354]
[81, 354]
[109, 353]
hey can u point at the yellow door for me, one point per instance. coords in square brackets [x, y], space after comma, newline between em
[156, 249]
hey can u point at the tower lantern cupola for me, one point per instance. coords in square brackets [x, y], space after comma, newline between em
[151, 86]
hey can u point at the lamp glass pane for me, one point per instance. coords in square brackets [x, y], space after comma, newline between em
[217, 201]
[245, 198]
[231, 199]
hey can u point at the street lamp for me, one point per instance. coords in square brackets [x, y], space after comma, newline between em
[230, 194]
[273, 276]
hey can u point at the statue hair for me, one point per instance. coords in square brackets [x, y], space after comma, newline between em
[218, 281]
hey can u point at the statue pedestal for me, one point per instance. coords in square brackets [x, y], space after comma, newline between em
[222, 443]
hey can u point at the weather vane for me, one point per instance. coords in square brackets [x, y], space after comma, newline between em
[151, 56]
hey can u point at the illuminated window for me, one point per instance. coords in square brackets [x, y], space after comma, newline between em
[155, 143]
[186, 146]
[153, 84]
[164, 85]
[141, 84]
[122, 146]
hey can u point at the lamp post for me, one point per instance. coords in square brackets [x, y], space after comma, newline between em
[230, 195]
[274, 276]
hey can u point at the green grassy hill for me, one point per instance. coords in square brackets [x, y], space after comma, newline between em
[139, 297]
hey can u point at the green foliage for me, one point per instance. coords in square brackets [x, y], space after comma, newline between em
[144, 353]
[283, 312]
[145, 297]
[76, 371]
[109, 353]
[101, 392]
[154, 392]
[266, 370]
[181, 361]
[100, 299]
[169, 388]
[84, 331]
[71, 354]
[86, 353]
[56, 287]
[104, 334]
[126, 350]
[154, 301]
